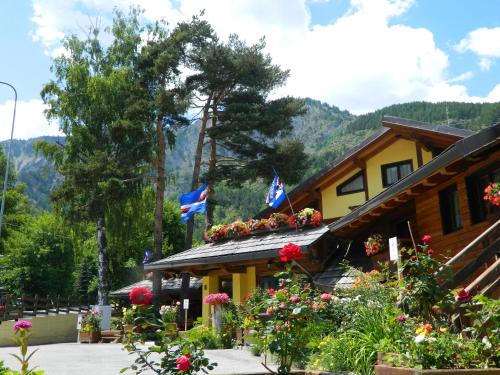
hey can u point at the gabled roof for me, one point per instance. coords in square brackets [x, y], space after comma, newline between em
[487, 139]
[170, 286]
[440, 135]
[247, 248]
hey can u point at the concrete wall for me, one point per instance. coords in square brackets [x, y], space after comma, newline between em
[46, 330]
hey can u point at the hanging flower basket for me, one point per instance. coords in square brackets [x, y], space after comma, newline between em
[374, 244]
[492, 193]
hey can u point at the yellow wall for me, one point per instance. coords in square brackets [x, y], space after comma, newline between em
[46, 330]
[400, 150]
[336, 206]
[243, 283]
[210, 285]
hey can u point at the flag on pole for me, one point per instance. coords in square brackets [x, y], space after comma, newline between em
[276, 194]
[193, 202]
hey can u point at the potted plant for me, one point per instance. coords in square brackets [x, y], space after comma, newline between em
[305, 217]
[90, 331]
[128, 318]
[216, 300]
[168, 316]
[492, 193]
[277, 221]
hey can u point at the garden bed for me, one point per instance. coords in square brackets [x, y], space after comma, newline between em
[389, 370]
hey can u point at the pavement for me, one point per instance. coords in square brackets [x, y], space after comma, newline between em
[109, 359]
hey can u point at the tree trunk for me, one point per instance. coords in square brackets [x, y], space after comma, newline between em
[212, 163]
[160, 196]
[197, 167]
[103, 263]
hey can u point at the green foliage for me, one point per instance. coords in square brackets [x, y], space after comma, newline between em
[86, 272]
[203, 336]
[39, 259]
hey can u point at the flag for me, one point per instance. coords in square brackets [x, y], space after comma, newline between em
[276, 194]
[147, 256]
[193, 202]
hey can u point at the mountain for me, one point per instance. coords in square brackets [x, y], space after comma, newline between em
[326, 131]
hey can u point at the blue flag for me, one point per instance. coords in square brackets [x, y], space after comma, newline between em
[276, 194]
[147, 256]
[193, 202]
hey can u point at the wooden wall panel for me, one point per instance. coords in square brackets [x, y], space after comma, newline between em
[429, 216]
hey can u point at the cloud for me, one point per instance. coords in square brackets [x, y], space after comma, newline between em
[30, 120]
[484, 42]
[362, 61]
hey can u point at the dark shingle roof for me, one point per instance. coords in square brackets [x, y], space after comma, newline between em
[167, 286]
[248, 248]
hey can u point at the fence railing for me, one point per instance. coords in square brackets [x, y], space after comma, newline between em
[14, 307]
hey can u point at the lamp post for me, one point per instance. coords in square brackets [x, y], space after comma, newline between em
[2, 208]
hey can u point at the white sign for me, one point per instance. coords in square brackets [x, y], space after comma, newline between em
[186, 304]
[393, 249]
[79, 322]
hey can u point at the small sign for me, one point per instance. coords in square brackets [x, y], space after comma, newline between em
[79, 323]
[186, 304]
[393, 249]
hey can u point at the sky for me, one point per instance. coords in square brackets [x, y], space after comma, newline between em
[359, 55]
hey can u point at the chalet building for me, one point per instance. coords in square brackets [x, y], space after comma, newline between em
[407, 175]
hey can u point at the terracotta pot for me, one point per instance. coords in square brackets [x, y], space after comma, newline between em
[171, 329]
[90, 337]
[127, 327]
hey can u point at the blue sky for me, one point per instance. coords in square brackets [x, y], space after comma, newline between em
[357, 54]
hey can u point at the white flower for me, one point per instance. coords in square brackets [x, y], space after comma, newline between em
[486, 342]
[419, 339]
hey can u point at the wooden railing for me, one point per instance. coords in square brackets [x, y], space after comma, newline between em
[12, 307]
[487, 258]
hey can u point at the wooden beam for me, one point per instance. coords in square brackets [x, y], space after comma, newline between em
[420, 161]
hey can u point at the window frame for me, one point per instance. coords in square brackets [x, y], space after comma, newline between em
[348, 181]
[384, 167]
[479, 210]
[448, 224]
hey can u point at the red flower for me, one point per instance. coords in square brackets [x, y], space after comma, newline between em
[183, 363]
[430, 251]
[290, 252]
[464, 296]
[271, 291]
[426, 239]
[141, 296]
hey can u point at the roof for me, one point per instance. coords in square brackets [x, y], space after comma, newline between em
[247, 248]
[167, 286]
[445, 135]
[476, 143]
[390, 121]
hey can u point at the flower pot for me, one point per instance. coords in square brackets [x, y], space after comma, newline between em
[90, 337]
[171, 329]
[389, 370]
[128, 327]
[217, 317]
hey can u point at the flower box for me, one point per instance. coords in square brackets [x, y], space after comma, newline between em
[90, 337]
[389, 370]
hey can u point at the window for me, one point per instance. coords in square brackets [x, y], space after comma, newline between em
[450, 209]
[394, 172]
[479, 209]
[267, 282]
[354, 184]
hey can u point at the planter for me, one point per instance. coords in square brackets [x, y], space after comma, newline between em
[217, 317]
[128, 327]
[171, 329]
[389, 370]
[90, 337]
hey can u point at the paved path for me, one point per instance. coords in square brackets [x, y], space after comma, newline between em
[109, 359]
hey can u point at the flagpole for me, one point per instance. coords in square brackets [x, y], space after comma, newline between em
[286, 195]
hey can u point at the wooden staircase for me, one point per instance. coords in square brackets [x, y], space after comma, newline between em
[482, 270]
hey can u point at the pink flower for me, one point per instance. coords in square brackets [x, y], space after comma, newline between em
[290, 252]
[271, 291]
[294, 299]
[426, 239]
[183, 363]
[22, 324]
[430, 251]
[216, 299]
[269, 310]
[401, 318]
[464, 296]
[141, 296]
[326, 297]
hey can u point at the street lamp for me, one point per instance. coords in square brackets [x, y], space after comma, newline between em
[2, 208]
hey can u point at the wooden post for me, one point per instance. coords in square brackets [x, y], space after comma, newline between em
[185, 320]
